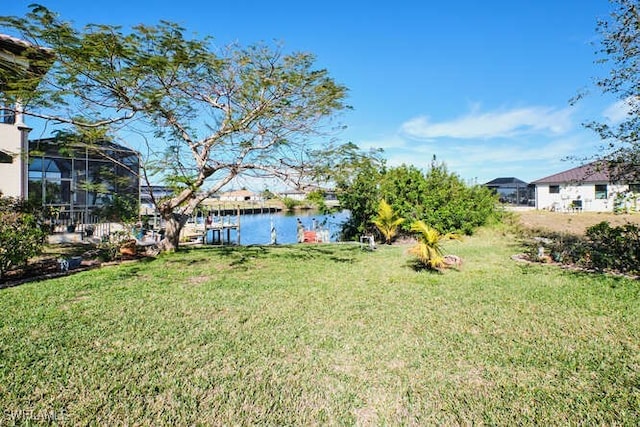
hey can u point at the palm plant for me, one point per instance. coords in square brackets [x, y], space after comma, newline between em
[428, 250]
[387, 221]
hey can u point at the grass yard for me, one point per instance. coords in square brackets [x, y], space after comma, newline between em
[322, 334]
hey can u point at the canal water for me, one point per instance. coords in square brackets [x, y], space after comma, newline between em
[255, 229]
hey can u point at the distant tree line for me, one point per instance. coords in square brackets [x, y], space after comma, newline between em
[436, 196]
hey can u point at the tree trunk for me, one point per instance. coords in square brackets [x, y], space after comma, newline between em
[173, 225]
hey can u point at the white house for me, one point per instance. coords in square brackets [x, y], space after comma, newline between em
[585, 188]
[79, 180]
[239, 196]
[297, 195]
[18, 60]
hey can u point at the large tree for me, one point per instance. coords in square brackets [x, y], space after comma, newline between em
[619, 52]
[207, 115]
[358, 190]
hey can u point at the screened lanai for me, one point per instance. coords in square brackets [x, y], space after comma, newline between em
[82, 181]
[512, 191]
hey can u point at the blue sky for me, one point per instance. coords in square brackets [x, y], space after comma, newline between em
[482, 85]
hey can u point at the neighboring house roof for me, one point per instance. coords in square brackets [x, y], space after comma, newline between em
[506, 181]
[292, 192]
[159, 191]
[592, 172]
[18, 56]
[14, 44]
[104, 146]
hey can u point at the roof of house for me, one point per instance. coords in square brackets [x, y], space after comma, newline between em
[291, 191]
[43, 144]
[20, 55]
[14, 44]
[591, 172]
[19, 46]
[506, 181]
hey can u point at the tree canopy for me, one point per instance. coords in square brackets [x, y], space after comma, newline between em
[207, 115]
[619, 52]
[437, 197]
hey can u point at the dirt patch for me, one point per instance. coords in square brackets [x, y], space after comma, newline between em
[42, 270]
[61, 260]
[573, 223]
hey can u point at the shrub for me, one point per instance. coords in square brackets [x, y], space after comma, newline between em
[22, 233]
[614, 248]
[289, 203]
[453, 206]
[602, 248]
[438, 197]
[359, 193]
[109, 249]
[559, 247]
[317, 199]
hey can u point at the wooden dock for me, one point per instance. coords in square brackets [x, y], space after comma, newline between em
[227, 208]
[218, 232]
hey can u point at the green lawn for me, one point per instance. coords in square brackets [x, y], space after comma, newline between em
[322, 334]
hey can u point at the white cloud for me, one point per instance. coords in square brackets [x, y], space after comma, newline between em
[619, 111]
[493, 124]
[516, 151]
[528, 143]
[527, 157]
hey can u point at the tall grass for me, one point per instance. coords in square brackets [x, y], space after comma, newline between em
[323, 334]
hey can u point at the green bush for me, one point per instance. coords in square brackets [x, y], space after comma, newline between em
[438, 197]
[603, 248]
[317, 199]
[359, 193]
[289, 203]
[559, 247]
[452, 206]
[22, 233]
[614, 248]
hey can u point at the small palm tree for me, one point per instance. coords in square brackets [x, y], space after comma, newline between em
[387, 221]
[428, 250]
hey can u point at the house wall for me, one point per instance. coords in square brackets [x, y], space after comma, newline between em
[298, 196]
[13, 176]
[239, 197]
[585, 192]
[14, 54]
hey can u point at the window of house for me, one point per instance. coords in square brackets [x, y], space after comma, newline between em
[635, 188]
[554, 189]
[7, 116]
[601, 191]
[5, 158]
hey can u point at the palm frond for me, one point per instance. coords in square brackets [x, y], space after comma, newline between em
[428, 250]
[387, 221]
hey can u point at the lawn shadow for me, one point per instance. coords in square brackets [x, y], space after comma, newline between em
[588, 275]
[420, 267]
[240, 255]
